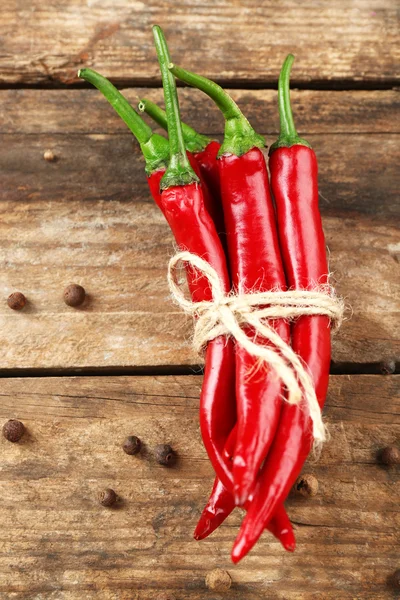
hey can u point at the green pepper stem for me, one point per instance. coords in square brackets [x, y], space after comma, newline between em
[288, 135]
[288, 128]
[195, 141]
[155, 148]
[179, 170]
[138, 127]
[240, 137]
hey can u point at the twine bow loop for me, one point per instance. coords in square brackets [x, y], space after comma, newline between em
[229, 314]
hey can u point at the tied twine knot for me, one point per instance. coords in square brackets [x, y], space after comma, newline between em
[229, 314]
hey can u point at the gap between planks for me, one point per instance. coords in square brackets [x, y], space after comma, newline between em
[339, 85]
[345, 368]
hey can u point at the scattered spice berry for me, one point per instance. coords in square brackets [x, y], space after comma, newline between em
[164, 455]
[387, 367]
[132, 445]
[13, 430]
[107, 497]
[390, 456]
[218, 580]
[74, 295]
[306, 485]
[49, 156]
[396, 579]
[16, 301]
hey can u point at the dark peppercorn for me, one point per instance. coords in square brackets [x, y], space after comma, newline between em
[164, 455]
[13, 430]
[74, 295]
[107, 497]
[387, 367]
[132, 445]
[16, 301]
[306, 485]
[390, 456]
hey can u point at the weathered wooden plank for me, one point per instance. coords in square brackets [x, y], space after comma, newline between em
[235, 41]
[88, 217]
[57, 542]
[86, 111]
[358, 174]
[119, 251]
[84, 163]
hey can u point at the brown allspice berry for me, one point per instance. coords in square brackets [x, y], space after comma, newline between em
[132, 445]
[306, 485]
[164, 455]
[74, 295]
[16, 301]
[49, 156]
[108, 497]
[13, 430]
[390, 456]
[218, 580]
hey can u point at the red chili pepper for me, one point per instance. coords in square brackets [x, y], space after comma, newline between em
[293, 167]
[221, 502]
[194, 231]
[256, 265]
[184, 207]
[220, 506]
[204, 151]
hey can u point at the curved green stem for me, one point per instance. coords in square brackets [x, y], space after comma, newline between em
[195, 142]
[288, 135]
[179, 171]
[239, 137]
[155, 148]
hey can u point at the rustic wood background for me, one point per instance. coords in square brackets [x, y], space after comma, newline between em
[82, 379]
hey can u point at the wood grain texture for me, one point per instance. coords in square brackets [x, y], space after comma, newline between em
[237, 41]
[87, 111]
[57, 542]
[119, 251]
[88, 218]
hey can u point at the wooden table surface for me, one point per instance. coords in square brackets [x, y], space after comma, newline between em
[83, 379]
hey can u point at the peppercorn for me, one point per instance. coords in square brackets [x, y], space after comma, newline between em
[164, 455]
[306, 485]
[396, 579]
[132, 445]
[13, 430]
[387, 367]
[16, 301]
[49, 156]
[218, 580]
[390, 456]
[107, 497]
[74, 295]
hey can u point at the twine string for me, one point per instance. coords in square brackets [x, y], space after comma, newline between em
[229, 314]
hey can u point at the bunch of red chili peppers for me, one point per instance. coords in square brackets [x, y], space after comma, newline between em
[218, 201]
